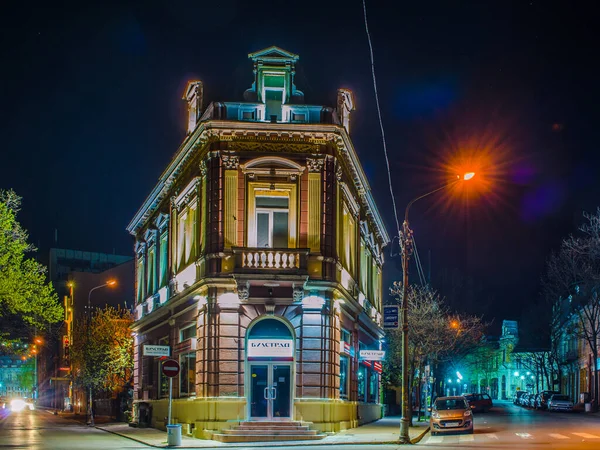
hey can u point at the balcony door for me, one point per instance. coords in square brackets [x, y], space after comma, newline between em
[272, 221]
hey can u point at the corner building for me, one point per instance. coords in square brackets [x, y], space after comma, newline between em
[258, 261]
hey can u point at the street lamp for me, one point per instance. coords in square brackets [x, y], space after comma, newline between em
[406, 238]
[110, 283]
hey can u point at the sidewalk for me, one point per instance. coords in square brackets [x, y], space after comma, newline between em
[385, 430]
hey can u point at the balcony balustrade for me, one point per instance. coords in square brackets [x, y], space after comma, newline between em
[266, 260]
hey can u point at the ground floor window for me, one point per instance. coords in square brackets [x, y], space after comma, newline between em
[163, 380]
[373, 386]
[344, 365]
[362, 383]
[187, 382]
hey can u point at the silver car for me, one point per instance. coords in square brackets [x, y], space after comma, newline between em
[560, 402]
[451, 414]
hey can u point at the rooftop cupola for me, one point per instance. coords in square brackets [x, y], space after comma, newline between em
[274, 70]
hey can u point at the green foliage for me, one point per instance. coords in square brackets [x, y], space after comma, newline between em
[102, 350]
[24, 293]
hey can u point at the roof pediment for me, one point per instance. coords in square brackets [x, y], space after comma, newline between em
[273, 53]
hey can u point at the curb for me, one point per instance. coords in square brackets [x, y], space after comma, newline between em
[130, 438]
[421, 436]
[272, 444]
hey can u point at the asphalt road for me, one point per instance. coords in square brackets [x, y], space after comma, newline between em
[509, 426]
[505, 427]
[41, 430]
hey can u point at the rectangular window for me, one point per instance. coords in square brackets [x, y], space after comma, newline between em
[373, 386]
[141, 287]
[344, 372]
[187, 333]
[298, 117]
[181, 229]
[362, 383]
[151, 270]
[187, 380]
[248, 115]
[190, 235]
[163, 381]
[272, 221]
[346, 336]
[364, 268]
[349, 241]
[164, 261]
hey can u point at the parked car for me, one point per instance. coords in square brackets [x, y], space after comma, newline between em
[560, 402]
[531, 400]
[542, 400]
[517, 397]
[524, 399]
[479, 402]
[451, 414]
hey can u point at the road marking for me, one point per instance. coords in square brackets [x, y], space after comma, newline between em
[435, 440]
[558, 436]
[524, 435]
[491, 435]
[586, 435]
[467, 438]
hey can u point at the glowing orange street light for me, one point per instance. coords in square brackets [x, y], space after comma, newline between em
[111, 283]
[38, 340]
[467, 176]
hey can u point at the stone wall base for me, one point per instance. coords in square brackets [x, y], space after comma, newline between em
[203, 417]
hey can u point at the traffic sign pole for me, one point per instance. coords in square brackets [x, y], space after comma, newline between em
[170, 398]
[170, 368]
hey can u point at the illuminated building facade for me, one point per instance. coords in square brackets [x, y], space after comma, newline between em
[258, 261]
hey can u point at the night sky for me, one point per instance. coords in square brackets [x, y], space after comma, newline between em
[91, 113]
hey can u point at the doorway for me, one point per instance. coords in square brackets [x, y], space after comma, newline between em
[270, 391]
[270, 370]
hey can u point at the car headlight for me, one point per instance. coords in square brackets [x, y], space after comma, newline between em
[467, 413]
[435, 414]
[17, 405]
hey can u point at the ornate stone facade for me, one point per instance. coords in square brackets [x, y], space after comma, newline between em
[266, 266]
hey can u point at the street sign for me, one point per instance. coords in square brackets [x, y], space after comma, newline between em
[390, 318]
[170, 368]
[372, 355]
[157, 350]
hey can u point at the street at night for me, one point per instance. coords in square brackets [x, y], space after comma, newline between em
[248, 224]
[505, 426]
[40, 429]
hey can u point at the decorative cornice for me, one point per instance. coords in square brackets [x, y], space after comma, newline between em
[266, 137]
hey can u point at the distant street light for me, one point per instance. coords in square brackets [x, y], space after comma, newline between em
[406, 239]
[110, 283]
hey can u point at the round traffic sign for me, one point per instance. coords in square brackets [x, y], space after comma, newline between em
[170, 368]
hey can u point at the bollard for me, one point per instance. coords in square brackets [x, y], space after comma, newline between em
[174, 435]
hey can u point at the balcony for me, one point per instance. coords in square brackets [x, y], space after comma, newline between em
[271, 260]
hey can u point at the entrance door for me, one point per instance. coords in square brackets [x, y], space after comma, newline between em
[270, 390]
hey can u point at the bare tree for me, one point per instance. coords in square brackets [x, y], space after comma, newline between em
[434, 335]
[573, 280]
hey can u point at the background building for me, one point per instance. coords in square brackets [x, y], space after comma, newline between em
[16, 377]
[258, 262]
[74, 273]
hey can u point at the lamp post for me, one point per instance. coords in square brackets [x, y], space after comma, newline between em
[406, 240]
[89, 327]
